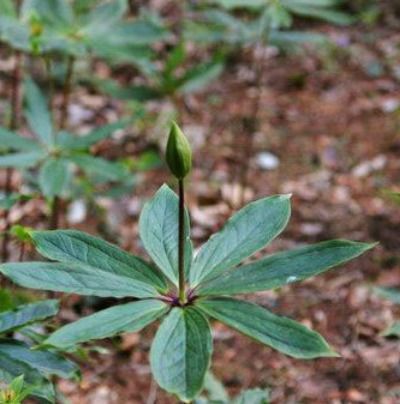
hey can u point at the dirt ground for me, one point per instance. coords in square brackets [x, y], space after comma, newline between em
[328, 131]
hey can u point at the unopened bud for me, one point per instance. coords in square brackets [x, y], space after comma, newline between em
[178, 153]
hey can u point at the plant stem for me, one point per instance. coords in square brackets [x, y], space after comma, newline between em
[55, 205]
[55, 213]
[181, 244]
[21, 251]
[47, 64]
[251, 125]
[15, 96]
[67, 92]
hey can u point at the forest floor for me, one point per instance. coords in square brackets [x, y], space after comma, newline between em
[328, 131]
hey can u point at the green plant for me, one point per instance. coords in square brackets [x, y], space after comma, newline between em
[29, 371]
[16, 392]
[217, 394]
[58, 156]
[77, 29]
[393, 295]
[175, 77]
[261, 20]
[388, 293]
[186, 292]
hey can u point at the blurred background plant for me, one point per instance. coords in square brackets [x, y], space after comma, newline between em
[29, 372]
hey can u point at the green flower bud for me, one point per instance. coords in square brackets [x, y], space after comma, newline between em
[178, 153]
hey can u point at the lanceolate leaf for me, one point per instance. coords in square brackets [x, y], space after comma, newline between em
[158, 228]
[72, 246]
[11, 368]
[130, 317]
[200, 76]
[285, 267]
[181, 352]
[75, 278]
[13, 141]
[26, 314]
[319, 10]
[98, 166]
[230, 4]
[21, 160]
[47, 363]
[37, 113]
[280, 333]
[93, 137]
[246, 232]
[54, 177]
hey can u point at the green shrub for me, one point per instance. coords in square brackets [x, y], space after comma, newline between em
[183, 291]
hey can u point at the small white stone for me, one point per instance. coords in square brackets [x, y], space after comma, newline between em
[77, 212]
[367, 167]
[267, 161]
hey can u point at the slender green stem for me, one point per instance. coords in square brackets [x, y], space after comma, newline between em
[55, 213]
[55, 205]
[67, 92]
[47, 64]
[181, 241]
[251, 125]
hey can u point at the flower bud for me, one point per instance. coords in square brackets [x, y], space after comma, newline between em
[178, 153]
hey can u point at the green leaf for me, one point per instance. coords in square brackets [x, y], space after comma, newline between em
[393, 330]
[17, 387]
[14, 33]
[253, 396]
[7, 8]
[72, 246]
[27, 314]
[37, 113]
[231, 4]
[7, 201]
[276, 16]
[292, 39]
[130, 317]
[181, 352]
[285, 267]
[140, 93]
[175, 59]
[21, 160]
[11, 368]
[280, 333]
[391, 294]
[75, 278]
[249, 230]
[138, 32]
[54, 177]
[96, 165]
[158, 227]
[215, 389]
[47, 363]
[57, 13]
[93, 137]
[319, 10]
[201, 76]
[13, 141]
[103, 17]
